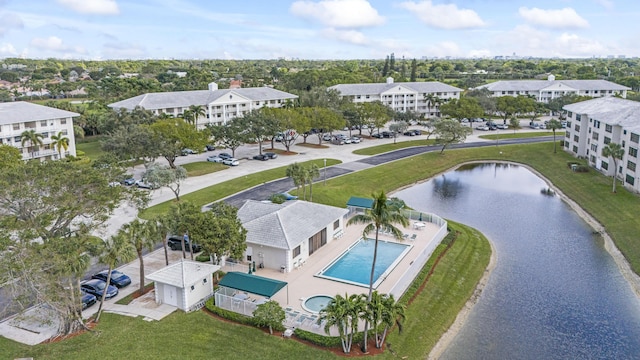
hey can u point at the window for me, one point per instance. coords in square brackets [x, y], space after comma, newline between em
[592, 159]
[16, 139]
[607, 140]
[605, 165]
[63, 121]
[608, 128]
[45, 135]
[575, 149]
[336, 224]
[16, 126]
[631, 165]
[635, 138]
[577, 128]
[576, 138]
[569, 114]
[595, 136]
[578, 117]
[629, 179]
[633, 152]
[594, 147]
[43, 123]
[64, 132]
[296, 251]
[596, 124]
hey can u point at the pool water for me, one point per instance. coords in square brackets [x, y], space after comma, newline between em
[354, 265]
[316, 303]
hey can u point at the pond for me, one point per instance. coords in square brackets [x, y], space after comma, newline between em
[555, 292]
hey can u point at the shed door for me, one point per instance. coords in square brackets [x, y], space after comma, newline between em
[170, 295]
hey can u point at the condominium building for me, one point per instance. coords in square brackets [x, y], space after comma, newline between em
[18, 117]
[593, 124]
[545, 90]
[402, 96]
[220, 105]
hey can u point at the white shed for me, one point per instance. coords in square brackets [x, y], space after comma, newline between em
[186, 285]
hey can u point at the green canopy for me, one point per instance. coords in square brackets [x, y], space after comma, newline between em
[252, 283]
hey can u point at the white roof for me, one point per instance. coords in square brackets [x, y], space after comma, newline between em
[163, 100]
[379, 88]
[287, 225]
[610, 110]
[22, 111]
[183, 274]
[537, 85]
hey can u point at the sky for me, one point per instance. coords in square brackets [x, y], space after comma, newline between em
[317, 29]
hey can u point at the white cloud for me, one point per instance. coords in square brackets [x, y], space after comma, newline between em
[10, 21]
[607, 4]
[8, 50]
[566, 18]
[447, 16]
[98, 7]
[54, 43]
[444, 48]
[338, 13]
[349, 36]
[573, 44]
[526, 40]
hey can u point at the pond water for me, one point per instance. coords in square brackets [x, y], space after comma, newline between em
[555, 292]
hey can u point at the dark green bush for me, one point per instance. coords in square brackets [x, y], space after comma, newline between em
[229, 315]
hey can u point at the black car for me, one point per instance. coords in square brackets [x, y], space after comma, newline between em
[210, 147]
[175, 243]
[377, 135]
[88, 300]
[409, 133]
[271, 155]
[118, 279]
[225, 156]
[95, 287]
[261, 157]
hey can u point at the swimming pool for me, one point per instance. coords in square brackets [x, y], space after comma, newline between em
[354, 265]
[316, 303]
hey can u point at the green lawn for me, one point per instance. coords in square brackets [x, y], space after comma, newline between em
[216, 192]
[506, 134]
[379, 149]
[203, 168]
[91, 147]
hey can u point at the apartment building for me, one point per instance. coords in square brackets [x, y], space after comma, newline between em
[593, 124]
[20, 116]
[401, 96]
[221, 105]
[545, 90]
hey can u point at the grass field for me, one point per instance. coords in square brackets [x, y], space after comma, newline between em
[202, 168]
[506, 134]
[91, 147]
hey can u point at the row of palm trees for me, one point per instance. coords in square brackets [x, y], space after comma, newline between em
[35, 140]
[303, 175]
[381, 311]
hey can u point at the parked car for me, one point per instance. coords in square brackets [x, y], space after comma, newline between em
[214, 158]
[144, 185]
[502, 126]
[387, 134]
[88, 300]
[377, 135]
[261, 157]
[187, 151]
[337, 141]
[534, 125]
[128, 181]
[326, 137]
[483, 128]
[355, 140]
[231, 162]
[491, 126]
[118, 279]
[96, 287]
[175, 243]
[271, 155]
[225, 156]
[210, 147]
[409, 133]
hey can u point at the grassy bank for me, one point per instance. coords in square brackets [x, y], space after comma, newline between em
[379, 149]
[199, 168]
[507, 134]
[219, 191]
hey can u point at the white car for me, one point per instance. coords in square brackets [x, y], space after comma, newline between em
[143, 185]
[502, 126]
[355, 140]
[231, 162]
[215, 159]
[483, 128]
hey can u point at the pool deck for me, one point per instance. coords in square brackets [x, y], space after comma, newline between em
[303, 284]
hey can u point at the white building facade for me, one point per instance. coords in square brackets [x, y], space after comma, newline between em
[20, 116]
[401, 96]
[221, 105]
[593, 124]
[545, 90]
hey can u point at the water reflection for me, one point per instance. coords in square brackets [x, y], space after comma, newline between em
[555, 292]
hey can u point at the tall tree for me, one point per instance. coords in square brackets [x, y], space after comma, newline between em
[381, 216]
[295, 171]
[615, 152]
[311, 172]
[343, 313]
[383, 312]
[430, 100]
[464, 107]
[33, 138]
[10, 156]
[414, 70]
[197, 111]
[554, 125]
[60, 142]
[159, 176]
[141, 235]
[450, 131]
[117, 249]
[173, 135]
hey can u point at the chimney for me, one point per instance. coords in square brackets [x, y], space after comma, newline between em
[213, 86]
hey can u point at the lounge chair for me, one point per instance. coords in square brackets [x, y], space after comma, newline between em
[413, 237]
[405, 236]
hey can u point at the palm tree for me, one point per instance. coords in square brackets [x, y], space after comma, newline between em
[33, 138]
[429, 99]
[311, 173]
[383, 312]
[296, 172]
[186, 116]
[60, 142]
[141, 236]
[344, 313]
[381, 216]
[197, 111]
[554, 124]
[115, 250]
[616, 152]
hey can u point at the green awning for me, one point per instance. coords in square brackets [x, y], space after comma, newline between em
[252, 283]
[364, 203]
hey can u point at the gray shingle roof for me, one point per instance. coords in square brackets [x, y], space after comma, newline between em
[163, 100]
[610, 110]
[22, 111]
[285, 226]
[537, 85]
[183, 274]
[378, 88]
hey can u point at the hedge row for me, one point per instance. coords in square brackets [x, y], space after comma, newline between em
[234, 316]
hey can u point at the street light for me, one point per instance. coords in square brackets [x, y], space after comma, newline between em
[325, 172]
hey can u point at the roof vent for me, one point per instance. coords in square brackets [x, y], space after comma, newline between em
[551, 77]
[389, 80]
[213, 86]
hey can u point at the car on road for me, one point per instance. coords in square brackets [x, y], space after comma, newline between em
[261, 157]
[175, 243]
[96, 287]
[144, 185]
[214, 158]
[231, 162]
[271, 155]
[118, 279]
[355, 140]
[88, 300]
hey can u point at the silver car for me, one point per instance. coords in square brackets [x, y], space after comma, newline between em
[231, 162]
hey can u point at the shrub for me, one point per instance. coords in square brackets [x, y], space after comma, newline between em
[80, 153]
[203, 258]
[278, 198]
[326, 341]
[582, 169]
[229, 315]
